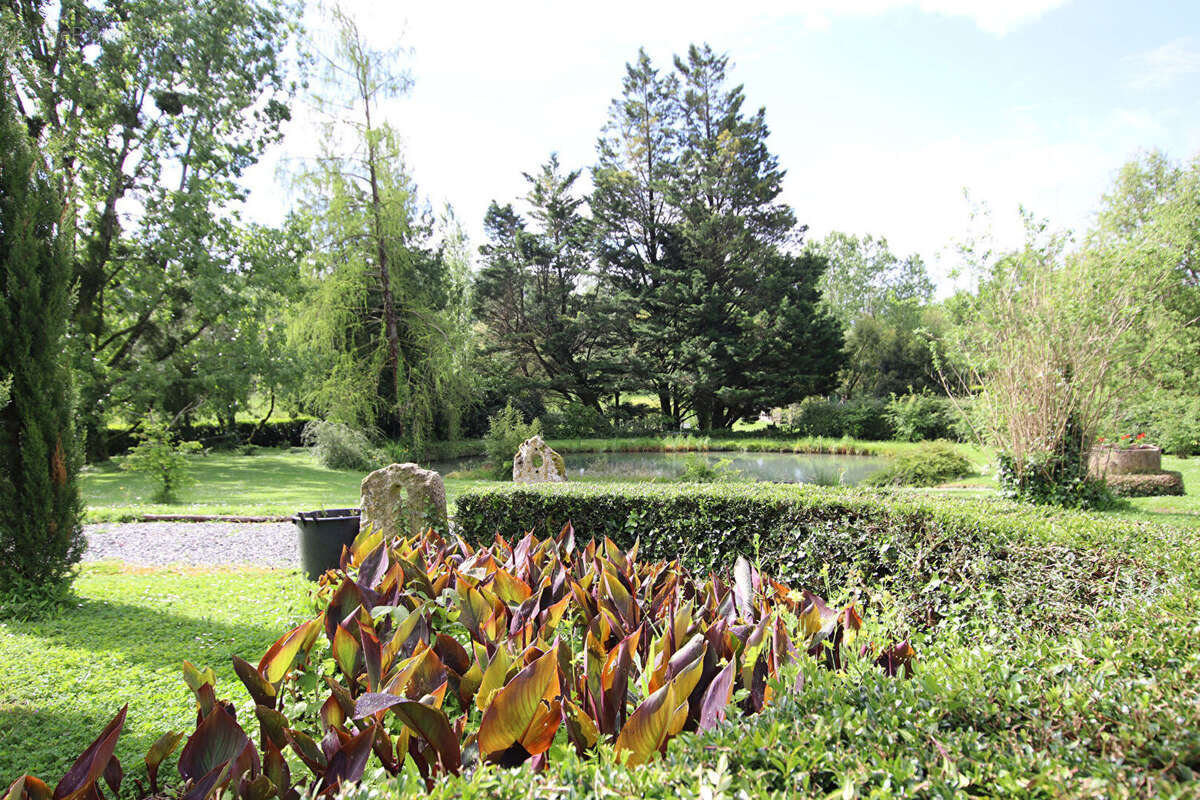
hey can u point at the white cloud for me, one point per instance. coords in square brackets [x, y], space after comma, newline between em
[1162, 66]
[497, 88]
[997, 17]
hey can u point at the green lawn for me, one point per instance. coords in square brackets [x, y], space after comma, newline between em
[271, 483]
[125, 639]
[281, 482]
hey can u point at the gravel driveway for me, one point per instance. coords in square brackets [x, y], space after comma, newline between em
[263, 544]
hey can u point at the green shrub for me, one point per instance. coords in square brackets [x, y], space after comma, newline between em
[812, 414]
[1054, 481]
[866, 418]
[930, 465]
[339, 446]
[507, 429]
[162, 458]
[920, 417]
[698, 469]
[1172, 421]
[577, 421]
[273, 433]
[942, 558]
[862, 418]
[40, 535]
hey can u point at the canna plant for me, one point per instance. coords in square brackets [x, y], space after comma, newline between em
[432, 651]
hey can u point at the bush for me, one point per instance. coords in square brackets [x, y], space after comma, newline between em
[923, 417]
[577, 421]
[507, 429]
[698, 469]
[866, 418]
[160, 457]
[339, 446]
[939, 557]
[1054, 481]
[279, 433]
[929, 465]
[1171, 419]
[861, 418]
[40, 535]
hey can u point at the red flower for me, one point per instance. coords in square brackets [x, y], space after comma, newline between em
[1141, 436]
[1124, 435]
[1101, 439]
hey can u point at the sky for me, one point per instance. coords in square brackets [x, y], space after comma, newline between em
[882, 112]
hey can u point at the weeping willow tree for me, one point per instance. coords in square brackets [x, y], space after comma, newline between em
[382, 324]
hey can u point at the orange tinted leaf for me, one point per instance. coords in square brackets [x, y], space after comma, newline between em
[647, 727]
[515, 707]
[540, 733]
[345, 652]
[279, 660]
[510, 589]
[493, 678]
[28, 787]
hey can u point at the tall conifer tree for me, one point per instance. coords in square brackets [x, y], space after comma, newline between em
[636, 225]
[40, 534]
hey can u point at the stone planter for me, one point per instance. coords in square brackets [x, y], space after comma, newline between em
[1142, 459]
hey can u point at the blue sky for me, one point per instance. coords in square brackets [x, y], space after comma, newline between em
[882, 111]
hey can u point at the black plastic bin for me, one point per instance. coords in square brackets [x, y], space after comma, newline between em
[322, 536]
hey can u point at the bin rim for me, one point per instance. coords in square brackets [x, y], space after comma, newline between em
[327, 515]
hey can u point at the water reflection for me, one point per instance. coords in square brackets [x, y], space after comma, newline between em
[781, 467]
[827, 470]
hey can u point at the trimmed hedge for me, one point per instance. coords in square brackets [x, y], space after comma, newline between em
[284, 433]
[1155, 484]
[941, 559]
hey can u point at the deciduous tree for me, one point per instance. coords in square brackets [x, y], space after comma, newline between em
[150, 111]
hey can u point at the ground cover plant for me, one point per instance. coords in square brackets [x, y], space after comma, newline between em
[454, 656]
[1085, 685]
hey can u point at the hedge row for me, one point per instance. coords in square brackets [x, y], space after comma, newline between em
[283, 433]
[940, 558]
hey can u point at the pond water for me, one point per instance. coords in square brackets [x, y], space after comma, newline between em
[826, 470]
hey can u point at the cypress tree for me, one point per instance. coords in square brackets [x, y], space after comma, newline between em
[40, 533]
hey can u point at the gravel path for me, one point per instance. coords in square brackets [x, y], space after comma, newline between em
[263, 544]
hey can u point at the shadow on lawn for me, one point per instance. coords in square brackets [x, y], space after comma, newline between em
[136, 655]
[160, 639]
[46, 743]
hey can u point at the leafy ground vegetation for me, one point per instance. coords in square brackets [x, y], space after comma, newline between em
[438, 657]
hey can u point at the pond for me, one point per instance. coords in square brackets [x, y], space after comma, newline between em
[826, 470]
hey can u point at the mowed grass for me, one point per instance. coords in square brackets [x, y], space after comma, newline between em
[1183, 510]
[280, 482]
[269, 483]
[124, 640]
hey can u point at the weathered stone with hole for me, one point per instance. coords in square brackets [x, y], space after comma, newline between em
[535, 462]
[403, 500]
